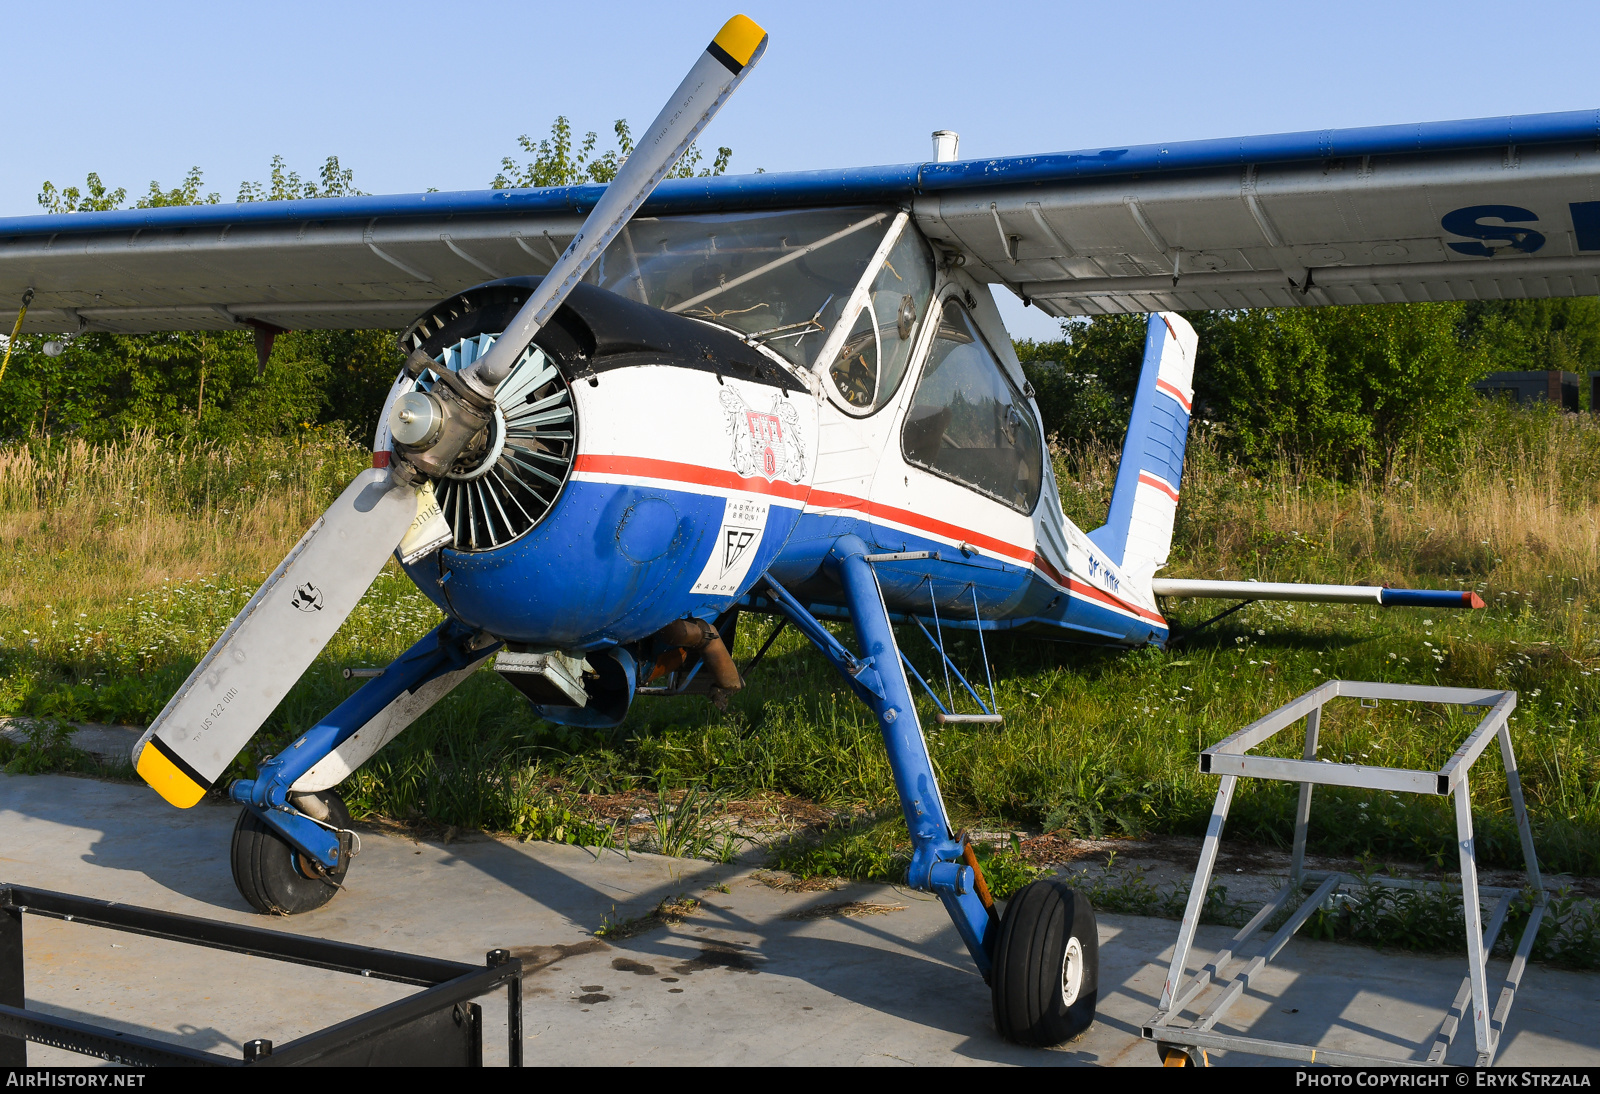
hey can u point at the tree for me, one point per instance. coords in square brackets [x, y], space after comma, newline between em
[1337, 386]
[1519, 335]
[284, 185]
[556, 163]
[186, 194]
[72, 200]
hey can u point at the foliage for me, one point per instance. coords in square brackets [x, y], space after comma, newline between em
[1084, 384]
[282, 185]
[669, 912]
[1340, 387]
[555, 162]
[1130, 892]
[46, 745]
[198, 384]
[690, 828]
[1430, 919]
[337, 182]
[94, 198]
[188, 193]
[1005, 870]
[1522, 335]
[878, 848]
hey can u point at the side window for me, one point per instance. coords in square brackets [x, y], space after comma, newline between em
[968, 422]
[873, 359]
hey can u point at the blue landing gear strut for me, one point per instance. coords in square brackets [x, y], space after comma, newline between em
[446, 648]
[878, 678]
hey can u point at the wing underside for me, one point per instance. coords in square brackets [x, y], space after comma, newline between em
[1491, 209]
[1493, 223]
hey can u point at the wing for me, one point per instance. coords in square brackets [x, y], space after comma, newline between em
[1497, 208]
[332, 263]
[1501, 207]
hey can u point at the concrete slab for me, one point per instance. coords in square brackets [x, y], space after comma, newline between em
[110, 745]
[754, 978]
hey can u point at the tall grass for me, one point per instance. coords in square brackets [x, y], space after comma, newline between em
[122, 563]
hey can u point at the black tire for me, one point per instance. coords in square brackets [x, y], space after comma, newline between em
[1046, 976]
[273, 877]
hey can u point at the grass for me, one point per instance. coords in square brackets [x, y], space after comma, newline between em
[121, 563]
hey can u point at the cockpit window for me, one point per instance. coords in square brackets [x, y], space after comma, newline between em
[873, 359]
[969, 422]
[780, 278]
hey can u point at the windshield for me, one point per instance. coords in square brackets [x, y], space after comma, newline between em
[780, 278]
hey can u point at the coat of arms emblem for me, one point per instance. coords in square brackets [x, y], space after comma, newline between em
[765, 442]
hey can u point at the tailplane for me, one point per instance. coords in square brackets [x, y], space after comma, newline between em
[1137, 534]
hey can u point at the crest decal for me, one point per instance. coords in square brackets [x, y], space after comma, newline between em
[765, 442]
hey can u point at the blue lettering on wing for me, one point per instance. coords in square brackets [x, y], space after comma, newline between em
[1468, 222]
[1586, 224]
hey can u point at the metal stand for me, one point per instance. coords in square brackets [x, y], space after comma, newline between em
[1178, 1039]
[437, 1026]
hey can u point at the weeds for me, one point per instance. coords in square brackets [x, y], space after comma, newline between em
[849, 909]
[689, 827]
[879, 849]
[1130, 892]
[46, 745]
[1431, 920]
[669, 913]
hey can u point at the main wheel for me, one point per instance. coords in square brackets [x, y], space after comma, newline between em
[273, 876]
[1047, 965]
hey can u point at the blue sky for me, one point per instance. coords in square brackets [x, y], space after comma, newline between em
[418, 95]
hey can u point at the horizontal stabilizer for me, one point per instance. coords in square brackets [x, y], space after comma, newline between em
[1325, 594]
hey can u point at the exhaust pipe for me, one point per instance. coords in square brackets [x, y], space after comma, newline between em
[689, 636]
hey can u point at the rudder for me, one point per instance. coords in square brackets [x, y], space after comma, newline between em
[1137, 534]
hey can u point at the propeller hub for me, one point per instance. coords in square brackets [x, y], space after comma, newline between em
[416, 419]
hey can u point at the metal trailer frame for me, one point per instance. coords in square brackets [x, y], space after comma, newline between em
[1183, 1042]
[437, 1026]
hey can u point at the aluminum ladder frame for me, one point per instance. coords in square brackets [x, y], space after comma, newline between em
[1177, 1039]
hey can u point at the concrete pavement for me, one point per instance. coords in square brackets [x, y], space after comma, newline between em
[757, 976]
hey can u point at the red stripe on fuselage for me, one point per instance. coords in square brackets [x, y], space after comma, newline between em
[696, 475]
[640, 467]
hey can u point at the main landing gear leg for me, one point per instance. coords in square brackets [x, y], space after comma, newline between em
[291, 850]
[1042, 959]
[879, 680]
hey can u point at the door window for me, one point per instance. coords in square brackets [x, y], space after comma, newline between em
[968, 422]
[873, 359]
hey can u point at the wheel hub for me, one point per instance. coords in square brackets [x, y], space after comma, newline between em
[1071, 971]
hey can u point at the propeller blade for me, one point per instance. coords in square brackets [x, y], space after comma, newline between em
[275, 638]
[720, 69]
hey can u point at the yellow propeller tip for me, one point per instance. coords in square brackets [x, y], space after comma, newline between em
[178, 786]
[738, 41]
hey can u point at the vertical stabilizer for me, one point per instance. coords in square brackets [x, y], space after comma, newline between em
[1137, 534]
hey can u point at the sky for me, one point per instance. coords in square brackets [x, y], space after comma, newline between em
[415, 95]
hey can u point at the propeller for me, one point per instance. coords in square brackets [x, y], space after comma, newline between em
[304, 601]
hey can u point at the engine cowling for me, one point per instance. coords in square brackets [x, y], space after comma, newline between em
[641, 468]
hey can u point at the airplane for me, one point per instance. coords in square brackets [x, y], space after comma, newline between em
[632, 414]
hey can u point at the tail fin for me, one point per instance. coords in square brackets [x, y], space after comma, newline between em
[1137, 534]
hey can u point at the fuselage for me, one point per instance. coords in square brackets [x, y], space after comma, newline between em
[692, 478]
[639, 540]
